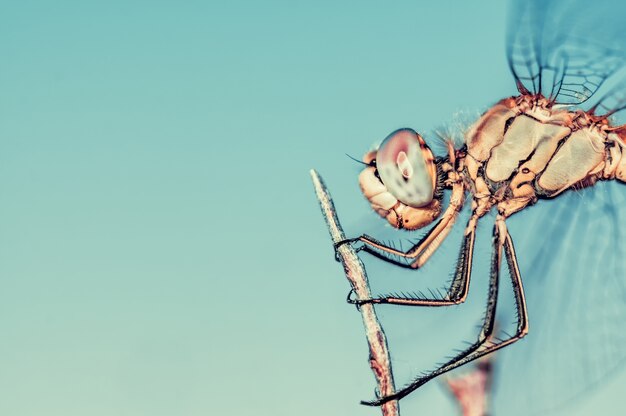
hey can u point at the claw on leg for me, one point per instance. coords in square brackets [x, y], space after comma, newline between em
[352, 300]
[345, 241]
[341, 243]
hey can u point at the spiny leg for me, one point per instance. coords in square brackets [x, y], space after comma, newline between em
[456, 293]
[421, 251]
[483, 345]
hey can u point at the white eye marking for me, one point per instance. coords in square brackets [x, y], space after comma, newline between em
[404, 165]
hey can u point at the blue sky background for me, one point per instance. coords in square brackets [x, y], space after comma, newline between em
[161, 249]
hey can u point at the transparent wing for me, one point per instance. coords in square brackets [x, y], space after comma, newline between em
[612, 102]
[563, 49]
[572, 254]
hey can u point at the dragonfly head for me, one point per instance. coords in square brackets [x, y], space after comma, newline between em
[400, 180]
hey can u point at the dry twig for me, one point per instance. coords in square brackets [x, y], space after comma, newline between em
[355, 272]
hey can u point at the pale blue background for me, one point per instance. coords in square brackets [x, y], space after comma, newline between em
[161, 250]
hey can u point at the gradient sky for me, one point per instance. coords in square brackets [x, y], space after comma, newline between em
[161, 249]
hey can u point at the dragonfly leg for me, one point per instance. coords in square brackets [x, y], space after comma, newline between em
[484, 344]
[419, 253]
[456, 293]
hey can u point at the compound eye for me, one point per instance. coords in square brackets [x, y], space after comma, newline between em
[403, 164]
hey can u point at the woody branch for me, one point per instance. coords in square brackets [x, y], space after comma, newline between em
[355, 273]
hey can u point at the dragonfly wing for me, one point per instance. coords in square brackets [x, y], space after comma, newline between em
[573, 261]
[564, 50]
[612, 102]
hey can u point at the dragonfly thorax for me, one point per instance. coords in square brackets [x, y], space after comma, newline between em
[519, 151]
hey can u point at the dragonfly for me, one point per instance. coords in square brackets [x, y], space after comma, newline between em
[555, 140]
